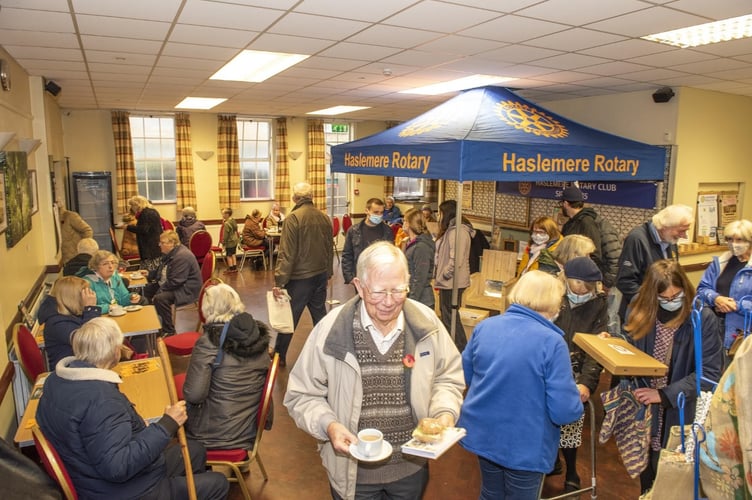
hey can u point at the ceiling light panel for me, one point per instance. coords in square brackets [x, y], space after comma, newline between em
[724, 30]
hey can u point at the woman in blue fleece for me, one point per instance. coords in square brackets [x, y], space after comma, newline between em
[520, 390]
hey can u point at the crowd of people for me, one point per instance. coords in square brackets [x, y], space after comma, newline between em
[389, 356]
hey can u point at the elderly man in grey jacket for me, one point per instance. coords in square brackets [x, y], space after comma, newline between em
[380, 361]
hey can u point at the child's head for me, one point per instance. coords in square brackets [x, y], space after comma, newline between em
[226, 212]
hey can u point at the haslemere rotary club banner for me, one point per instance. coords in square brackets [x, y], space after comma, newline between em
[624, 194]
[491, 134]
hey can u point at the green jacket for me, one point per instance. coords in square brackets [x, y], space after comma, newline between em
[116, 290]
[306, 247]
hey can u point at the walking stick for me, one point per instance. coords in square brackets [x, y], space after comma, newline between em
[167, 370]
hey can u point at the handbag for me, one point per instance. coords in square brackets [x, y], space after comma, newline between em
[630, 422]
[280, 312]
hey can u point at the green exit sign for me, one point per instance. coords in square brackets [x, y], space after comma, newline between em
[340, 127]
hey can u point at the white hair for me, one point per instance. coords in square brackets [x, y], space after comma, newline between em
[673, 216]
[98, 341]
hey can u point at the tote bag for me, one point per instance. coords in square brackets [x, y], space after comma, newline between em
[280, 313]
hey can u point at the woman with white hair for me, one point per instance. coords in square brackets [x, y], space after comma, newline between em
[147, 229]
[522, 359]
[728, 279]
[226, 375]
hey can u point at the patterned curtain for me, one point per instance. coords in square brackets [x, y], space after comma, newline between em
[431, 193]
[282, 170]
[186, 187]
[125, 171]
[389, 181]
[228, 161]
[317, 162]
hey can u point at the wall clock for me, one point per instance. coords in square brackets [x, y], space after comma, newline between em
[4, 74]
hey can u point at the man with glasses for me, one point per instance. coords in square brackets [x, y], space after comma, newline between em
[177, 280]
[380, 361]
[652, 241]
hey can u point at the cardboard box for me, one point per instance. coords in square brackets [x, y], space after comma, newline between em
[619, 357]
[488, 288]
[471, 317]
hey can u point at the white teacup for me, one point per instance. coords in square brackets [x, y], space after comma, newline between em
[117, 310]
[370, 442]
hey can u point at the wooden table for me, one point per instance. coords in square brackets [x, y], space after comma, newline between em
[134, 284]
[143, 384]
[137, 323]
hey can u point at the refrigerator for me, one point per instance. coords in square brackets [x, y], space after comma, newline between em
[92, 199]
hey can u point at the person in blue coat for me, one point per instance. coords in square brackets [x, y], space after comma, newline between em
[728, 279]
[70, 304]
[521, 390]
[659, 324]
[108, 449]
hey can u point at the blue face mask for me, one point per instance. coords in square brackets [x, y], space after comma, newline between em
[577, 300]
[672, 305]
[375, 219]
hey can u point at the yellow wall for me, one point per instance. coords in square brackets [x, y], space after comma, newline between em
[22, 110]
[713, 135]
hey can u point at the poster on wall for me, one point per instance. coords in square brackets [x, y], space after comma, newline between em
[18, 196]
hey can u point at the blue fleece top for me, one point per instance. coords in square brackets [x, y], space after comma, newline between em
[521, 390]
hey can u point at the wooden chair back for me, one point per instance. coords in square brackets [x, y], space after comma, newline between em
[52, 464]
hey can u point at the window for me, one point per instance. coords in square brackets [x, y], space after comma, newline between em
[336, 184]
[153, 140]
[255, 149]
[409, 188]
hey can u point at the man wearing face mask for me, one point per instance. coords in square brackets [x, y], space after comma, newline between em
[654, 240]
[728, 279]
[659, 324]
[371, 229]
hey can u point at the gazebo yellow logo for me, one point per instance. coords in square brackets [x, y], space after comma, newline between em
[530, 120]
[431, 121]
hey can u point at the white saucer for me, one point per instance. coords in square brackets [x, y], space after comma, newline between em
[133, 308]
[135, 276]
[386, 452]
[111, 313]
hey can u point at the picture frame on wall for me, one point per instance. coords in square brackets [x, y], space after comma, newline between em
[3, 215]
[467, 195]
[34, 191]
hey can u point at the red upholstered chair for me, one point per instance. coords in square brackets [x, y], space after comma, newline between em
[346, 223]
[200, 244]
[167, 225]
[335, 235]
[53, 465]
[28, 353]
[395, 229]
[235, 459]
[208, 265]
[179, 383]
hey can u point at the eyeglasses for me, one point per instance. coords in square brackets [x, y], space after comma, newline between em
[666, 300]
[396, 294]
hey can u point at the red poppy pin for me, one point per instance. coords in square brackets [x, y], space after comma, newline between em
[408, 361]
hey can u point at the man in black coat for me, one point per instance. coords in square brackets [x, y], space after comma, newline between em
[369, 230]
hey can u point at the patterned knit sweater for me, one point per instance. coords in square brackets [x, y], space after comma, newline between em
[385, 406]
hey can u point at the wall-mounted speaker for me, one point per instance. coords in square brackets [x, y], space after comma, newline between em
[52, 87]
[663, 94]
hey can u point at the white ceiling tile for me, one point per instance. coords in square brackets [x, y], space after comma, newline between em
[359, 51]
[290, 44]
[226, 15]
[714, 11]
[731, 48]
[362, 11]
[419, 58]
[162, 10]
[574, 39]
[392, 36]
[443, 17]
[513, 29]
[166, 61]
[331, 63]
[627, 49]
[647, 21]
[126, 45]
[187, 50]
[119, 68]
[119, 27]
[614, 68]
[460, 45]
[327, 28]
[672, 57]
[54, 5]
[571, 61]
[205, 35]
[38, 39]
[580, 12]
[518, 54]
[102, 56]
[711, 66]
[36, 20]
[45, 53]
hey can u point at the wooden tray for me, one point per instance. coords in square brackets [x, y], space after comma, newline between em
[619, 357]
